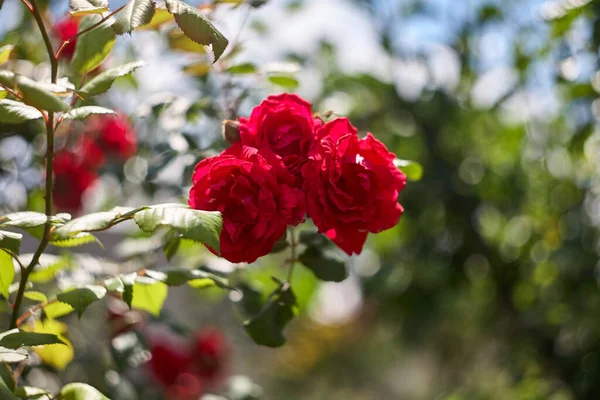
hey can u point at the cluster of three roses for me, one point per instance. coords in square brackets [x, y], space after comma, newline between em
[288, 164]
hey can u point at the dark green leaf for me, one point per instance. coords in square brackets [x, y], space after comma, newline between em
[94, 46]
[197, 225]
[172, 246]
[81, 298]
[325, 266]
[179, 276]
[80, 391]
[103, 81]
[128, 282]
[14, 112]
[10, 241]
[12, 355]
[37, 96]
[135, 14]
[197, 27]
[7, 377]
[252, 300]
[21, 338]
[266, 328]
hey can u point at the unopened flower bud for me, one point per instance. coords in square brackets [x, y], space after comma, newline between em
[231, 131]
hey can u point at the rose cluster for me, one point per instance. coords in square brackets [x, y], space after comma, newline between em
[187, 371]
[288, 164]
[76, 168]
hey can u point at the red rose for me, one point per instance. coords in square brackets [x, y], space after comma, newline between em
[253, 191]
[64, 30]
[210, 354]
[114, 135]
[351, 185]
[71, 179]
[91, 153]
[168, 362]
[285, 124]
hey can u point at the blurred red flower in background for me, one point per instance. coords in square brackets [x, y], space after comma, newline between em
[72, 177]
[114, 134]
[188, 371]
[64, 30]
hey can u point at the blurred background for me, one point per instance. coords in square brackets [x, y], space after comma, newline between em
[489, 286]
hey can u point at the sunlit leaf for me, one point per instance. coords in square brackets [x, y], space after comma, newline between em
[197, 27]
[35, 296]
[94, 46]
[49, 266]
[7, 272]
[201, 226]
[245, 68]
[39, 97]
[161, 17]
[103, 81]
[57, 310]
[179, 276]
[178, 41]
[5, 53]
[149, 295]
[56, 355]
[14, 112]
[10, 241]
[12, 355]
[86, 5]
[135, 14]
[33, 393]
[80, 391]
[85, 111]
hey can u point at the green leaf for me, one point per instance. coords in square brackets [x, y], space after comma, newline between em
[75, 241]
[412, 170]
[94, 46]
[103, 81]
[10, 241]
[7, 272]
[7, 78]
[57, 310]
[37, 96]
[14, 112]
[88, 11]
[252, 300]
[21, 338]
[128, 282]
[135, 14]
[6, 393]
[49, 266]
[12, 355]
[36, 296]
[81, 298]
[161, 17]
[33, 393]
[172, 245]
[197, 225]
[246, 68]
[26, 219]
[179, 276]
[5, 53]
[266, 328]
[6, 377]
[285, 81]
[85, 111]
[94, 222]
[3, 94]
[326, 267]
[80, 391]
[80, 7]
[149, 295]
[197, 27]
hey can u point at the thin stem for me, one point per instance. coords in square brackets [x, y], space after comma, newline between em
[292, 260]
[9, 90]
[33, 310]
[84, 31]
[49, 173]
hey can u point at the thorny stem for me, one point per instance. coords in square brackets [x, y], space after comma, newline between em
[33, 310]
[84, 31]
[49, 171]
